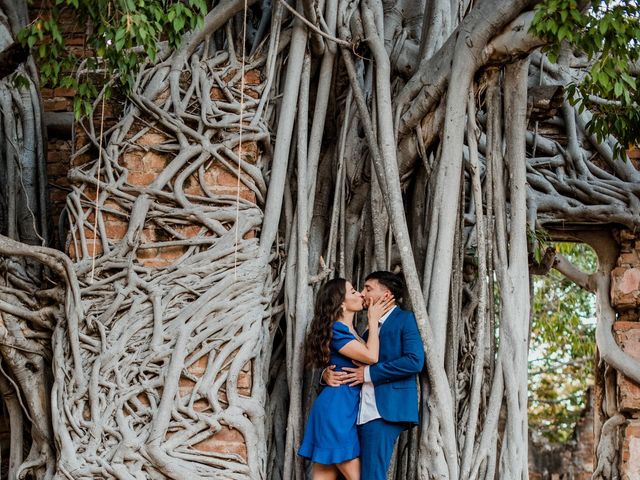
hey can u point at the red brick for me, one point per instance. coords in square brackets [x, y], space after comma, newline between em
[628, 316]
[81, 139]
[93, 248]
[152, 138]
[231, 191]
[189, 231]
[155, 262]
[81, 160]
[57, 105]
[143, 398]
[629, 259]
[132, 161]
[198, 367]
[58, 195]
[74, 41]
[146, 253]
[171, 253]
[163, 95]
[630, 468]
[628, 336]
[217, 94]
[64, 92]
[201, 405]
[625, 287]
[193, 188]
[116, 230]
[252, 77]
[244, 383]
[251, 93]
[249, 151]
[185, 385]
[141, 179]
[149, 235]
[227, 441]
[109, 217]
[63, 181]
[228, 179]
[154, 162]
[633, 152]
[57, 169]
[89, 193]
[627, 236]
[57, 154]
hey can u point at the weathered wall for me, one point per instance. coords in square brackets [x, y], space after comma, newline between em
[58, 114]
[625, 294]
[144, 162]
[574, 460]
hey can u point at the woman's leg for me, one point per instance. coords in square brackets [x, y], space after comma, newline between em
[324, 472]
[350, 469]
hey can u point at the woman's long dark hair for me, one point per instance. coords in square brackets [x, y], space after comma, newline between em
[328, 310]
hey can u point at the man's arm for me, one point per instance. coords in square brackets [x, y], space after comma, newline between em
[411, 361]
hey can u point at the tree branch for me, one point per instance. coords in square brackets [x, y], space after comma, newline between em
[573, 273]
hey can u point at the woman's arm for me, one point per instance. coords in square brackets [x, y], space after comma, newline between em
[368, 353]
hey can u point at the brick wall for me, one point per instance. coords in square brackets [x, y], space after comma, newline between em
[144, 162]
[58, 109]
[625, 294]
[574, 460]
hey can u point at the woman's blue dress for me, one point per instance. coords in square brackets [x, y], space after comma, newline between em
[331, 435]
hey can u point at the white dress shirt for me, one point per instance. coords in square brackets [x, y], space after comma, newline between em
[368, 408]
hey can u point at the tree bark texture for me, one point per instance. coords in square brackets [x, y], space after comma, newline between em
[344, 137]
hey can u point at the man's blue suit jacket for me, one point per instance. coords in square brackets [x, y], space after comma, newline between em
[394, 376]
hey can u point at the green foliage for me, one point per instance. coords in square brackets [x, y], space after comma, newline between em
[123, 35]
[562, 347]
[607, 32]
[539, 240]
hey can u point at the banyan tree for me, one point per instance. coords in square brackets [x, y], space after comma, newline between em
[276, 145]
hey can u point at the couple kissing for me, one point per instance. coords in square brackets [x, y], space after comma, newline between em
[371, 393]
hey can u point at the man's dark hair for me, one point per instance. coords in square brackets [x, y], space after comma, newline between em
[395, 283]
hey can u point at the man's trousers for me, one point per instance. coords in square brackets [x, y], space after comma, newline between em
[377, 439]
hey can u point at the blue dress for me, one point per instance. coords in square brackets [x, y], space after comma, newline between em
[331, 435]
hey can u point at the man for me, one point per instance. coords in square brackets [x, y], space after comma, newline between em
[389, 396]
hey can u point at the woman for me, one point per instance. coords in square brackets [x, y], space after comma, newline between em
[331, 438]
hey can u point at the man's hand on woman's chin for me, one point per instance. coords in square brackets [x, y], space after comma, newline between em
[333, 378]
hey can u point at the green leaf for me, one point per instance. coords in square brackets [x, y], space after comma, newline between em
[617, 88]
[603, 26]
[628, 79]
[178, 23]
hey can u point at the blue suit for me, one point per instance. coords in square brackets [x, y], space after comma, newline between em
[394, 378]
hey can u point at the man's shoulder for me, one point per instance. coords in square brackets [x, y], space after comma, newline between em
[405, 315]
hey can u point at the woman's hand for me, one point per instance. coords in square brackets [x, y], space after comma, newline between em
[380, 307]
